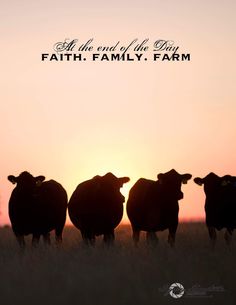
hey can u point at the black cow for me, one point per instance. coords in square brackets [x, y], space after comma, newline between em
[37, 207]
[153, 205]
[96, 207]
[220, 204]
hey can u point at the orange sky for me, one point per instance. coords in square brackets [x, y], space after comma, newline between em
[73, 120]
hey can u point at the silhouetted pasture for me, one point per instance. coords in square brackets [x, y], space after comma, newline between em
[118, 275]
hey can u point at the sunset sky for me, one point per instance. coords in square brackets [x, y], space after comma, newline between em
[73, 120]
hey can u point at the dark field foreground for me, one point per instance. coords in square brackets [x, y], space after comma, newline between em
[121, 274]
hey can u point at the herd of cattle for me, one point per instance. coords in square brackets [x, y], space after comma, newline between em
[96, 207]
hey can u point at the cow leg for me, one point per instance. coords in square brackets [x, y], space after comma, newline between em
[88, 238]
[21, 241]
[136, 235]
[58, 239]
[171, 236]
[35, 240]
[228, 236]
[58, 236]
[212, 235]
[46, 239]
[151, 238]
[108, 238]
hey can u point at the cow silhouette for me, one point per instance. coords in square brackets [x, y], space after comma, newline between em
[96, 207]
[153, 205]
[220, 204]
[37, 207]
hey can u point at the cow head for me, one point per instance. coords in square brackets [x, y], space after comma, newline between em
[110, 185]
[211, 183]
[26, 181]
[171, 183]
[114, 181]
[215, 186]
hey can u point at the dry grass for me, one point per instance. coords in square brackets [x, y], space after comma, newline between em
[118, 275]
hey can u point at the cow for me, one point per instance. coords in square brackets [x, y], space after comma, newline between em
[96, 207]
[153, 206]
[37, 207]
[220, 204]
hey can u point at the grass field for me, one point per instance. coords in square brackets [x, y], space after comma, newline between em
[119, 275]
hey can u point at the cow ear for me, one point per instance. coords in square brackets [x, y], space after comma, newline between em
[160, 178]
[12, 179]
[185, 178]
[39, 180]
[123, 180]
[198, 181]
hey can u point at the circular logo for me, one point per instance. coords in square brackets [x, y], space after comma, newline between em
[176, 290]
